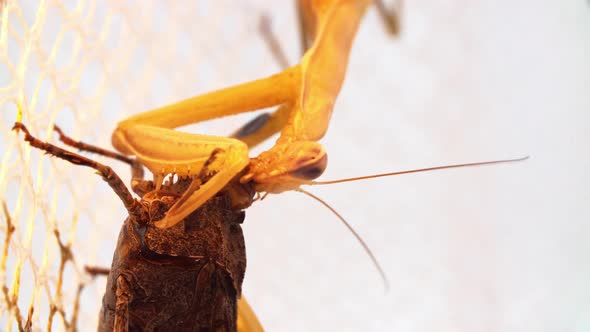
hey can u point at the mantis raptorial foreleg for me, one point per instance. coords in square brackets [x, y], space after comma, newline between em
[305, 93]
[165, 151]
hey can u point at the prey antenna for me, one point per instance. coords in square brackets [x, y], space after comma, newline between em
[356, 235]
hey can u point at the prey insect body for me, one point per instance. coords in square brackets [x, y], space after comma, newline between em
[183, 278]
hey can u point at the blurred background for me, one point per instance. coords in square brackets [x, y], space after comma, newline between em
[496, 248]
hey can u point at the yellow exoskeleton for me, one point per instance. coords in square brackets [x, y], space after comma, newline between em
[305, 92]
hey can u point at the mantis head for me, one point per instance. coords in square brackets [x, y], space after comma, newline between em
[287, 166]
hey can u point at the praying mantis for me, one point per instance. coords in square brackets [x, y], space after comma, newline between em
[305, 93]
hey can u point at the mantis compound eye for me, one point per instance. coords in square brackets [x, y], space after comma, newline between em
[311, 168]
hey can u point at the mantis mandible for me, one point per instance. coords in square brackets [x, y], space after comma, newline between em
[305, 92]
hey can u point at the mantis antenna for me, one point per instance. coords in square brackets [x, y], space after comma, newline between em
[419, 170]
[356, 235]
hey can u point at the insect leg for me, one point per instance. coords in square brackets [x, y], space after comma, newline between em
[138, 184]
[265, 29]
[97, 270]
[90, 148]
[107, 173]
[247, 320]
[124, 295]
[306, 24]
[250, 96]
[391, 17]
[265, 125]
[209, 181]
[324, 65]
